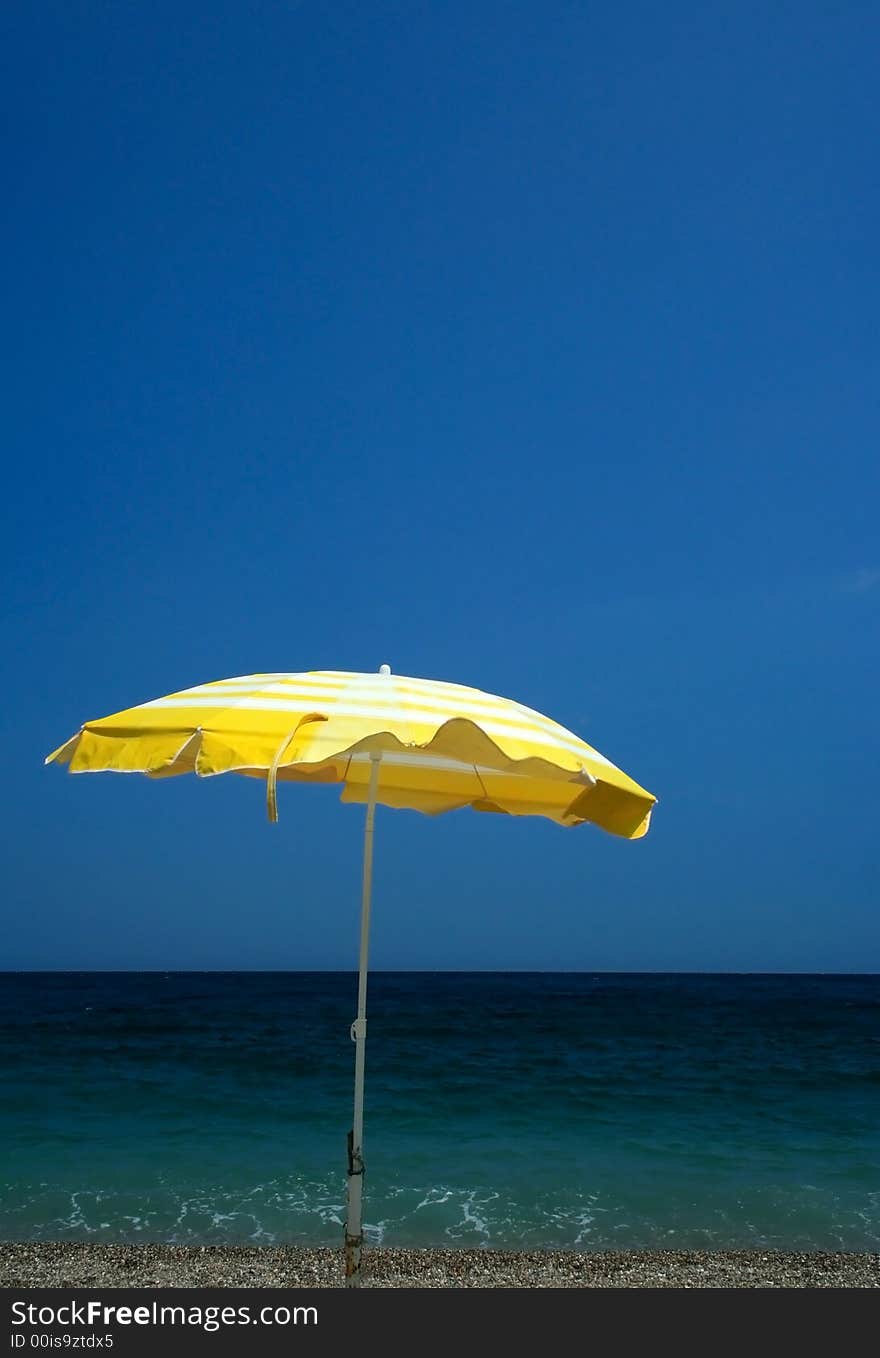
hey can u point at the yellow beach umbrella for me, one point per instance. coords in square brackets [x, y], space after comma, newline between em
[400, 742]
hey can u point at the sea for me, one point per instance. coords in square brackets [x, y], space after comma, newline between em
[514, 1110]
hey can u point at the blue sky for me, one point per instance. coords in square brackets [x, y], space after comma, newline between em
[531, 347]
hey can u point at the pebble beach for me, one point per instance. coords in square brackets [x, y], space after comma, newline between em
[86, 1265]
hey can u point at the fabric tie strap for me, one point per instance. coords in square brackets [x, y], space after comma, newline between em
[272, 775]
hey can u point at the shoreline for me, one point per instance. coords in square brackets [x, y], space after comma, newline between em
[76, 1265]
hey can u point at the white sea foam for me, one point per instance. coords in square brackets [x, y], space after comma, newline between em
[310, 1209]
[433, 1197]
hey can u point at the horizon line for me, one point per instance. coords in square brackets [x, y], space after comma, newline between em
[414, 971]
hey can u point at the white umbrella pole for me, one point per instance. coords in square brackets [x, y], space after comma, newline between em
[353, 1231]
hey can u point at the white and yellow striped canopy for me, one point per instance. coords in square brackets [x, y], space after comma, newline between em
[442, 746]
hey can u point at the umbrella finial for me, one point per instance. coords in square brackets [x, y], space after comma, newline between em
[384, 669]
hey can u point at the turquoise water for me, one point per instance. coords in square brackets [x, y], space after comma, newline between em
[593, 1111]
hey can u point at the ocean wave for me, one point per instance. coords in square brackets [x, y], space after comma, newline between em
[305, 1210]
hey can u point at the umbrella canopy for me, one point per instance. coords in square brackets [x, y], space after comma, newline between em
[442, 745]
[401, 742]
